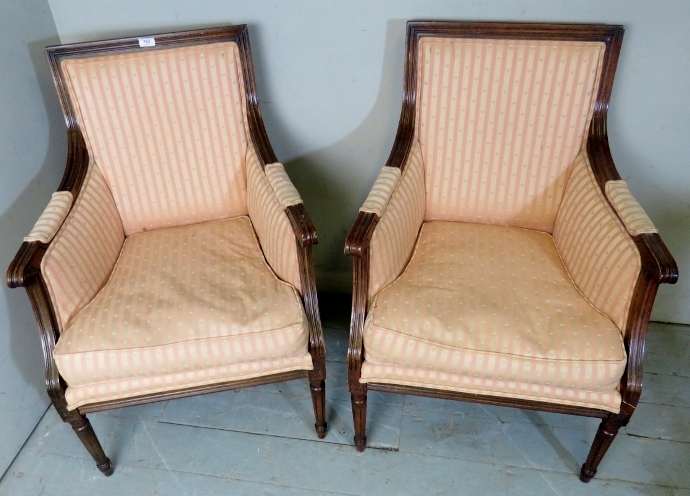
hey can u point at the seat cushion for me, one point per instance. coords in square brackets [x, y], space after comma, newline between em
[184, 306]
[491, 309]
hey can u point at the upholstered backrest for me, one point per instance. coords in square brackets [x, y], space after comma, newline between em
[166, 128]
[500, 123]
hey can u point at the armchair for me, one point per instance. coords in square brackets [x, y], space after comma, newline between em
[499, 258]
[175, 259]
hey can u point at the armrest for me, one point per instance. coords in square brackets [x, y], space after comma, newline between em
[613, 254]
[382, 240]
[285, 233]
[66, 261]
[639, 225]
[277, 220]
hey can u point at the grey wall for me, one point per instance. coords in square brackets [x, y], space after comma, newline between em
[330, 83]
[32, 158]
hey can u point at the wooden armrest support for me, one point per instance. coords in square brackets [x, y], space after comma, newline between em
[305, 232]
[359, 238]
[27, 262]
[21, 270]
[665, 269]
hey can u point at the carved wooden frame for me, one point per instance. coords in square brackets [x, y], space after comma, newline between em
[658, 265]
[25, 269]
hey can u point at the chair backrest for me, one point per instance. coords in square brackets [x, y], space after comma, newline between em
[501, 114]
[166, 126]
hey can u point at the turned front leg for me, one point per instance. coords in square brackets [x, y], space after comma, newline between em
[608, 429]
[82, 427]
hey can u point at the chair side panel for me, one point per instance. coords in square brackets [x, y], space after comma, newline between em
[271, 224]
[396, 232]
[167, 130]
[597, 250]
[82, 255]
[500, 123]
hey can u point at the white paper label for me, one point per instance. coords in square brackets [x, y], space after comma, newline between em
[147, 42]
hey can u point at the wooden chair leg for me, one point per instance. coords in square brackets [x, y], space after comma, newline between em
[318, 397]
[359, 414]
[81, 425]
[608, 429]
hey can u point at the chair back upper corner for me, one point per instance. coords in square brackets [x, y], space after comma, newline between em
[167, 126]
[501, 111]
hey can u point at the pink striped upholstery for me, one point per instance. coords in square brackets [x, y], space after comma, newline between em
[280, 182]
[500, 122]
[396, 232]
[52, 218]
[427, 378]
[166, 129]
[597, 250]
[495, 304]
[84, 251]
[628, 209]
[185, 306]
[271, 223]
[381, 191]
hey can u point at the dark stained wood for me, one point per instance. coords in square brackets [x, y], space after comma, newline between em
[608, 429]
[658, 265]
[25, 269]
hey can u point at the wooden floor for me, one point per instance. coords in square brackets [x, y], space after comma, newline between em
[261, 441]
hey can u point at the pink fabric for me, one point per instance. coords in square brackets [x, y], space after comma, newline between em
[271, 223]
[493, 304]
[598, 252]
[500, 122]
[84, 251]
[396, 232]
[184, 306]
[166, 128]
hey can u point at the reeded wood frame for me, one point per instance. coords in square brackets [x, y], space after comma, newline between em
[25, 269]
[658, 265]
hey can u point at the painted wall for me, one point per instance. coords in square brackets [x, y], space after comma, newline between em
[330, 84]
[32, 158]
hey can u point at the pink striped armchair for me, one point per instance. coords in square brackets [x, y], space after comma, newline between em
[176, 257]
[499, 258]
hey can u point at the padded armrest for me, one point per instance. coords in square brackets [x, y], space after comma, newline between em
[84, 251]
[271, 198]
[52, 218]
[381, 192]
[389, 221]
[629, 211]
[597, 249]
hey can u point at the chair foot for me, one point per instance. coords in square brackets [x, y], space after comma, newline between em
[318, 397]
[82, 427]
[608, 429]
[360, 443]
[359, 415]
[106, 468]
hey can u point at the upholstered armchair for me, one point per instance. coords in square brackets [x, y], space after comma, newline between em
[175, 259]
[499, 257]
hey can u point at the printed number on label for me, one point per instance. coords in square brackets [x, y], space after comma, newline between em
[147, 42]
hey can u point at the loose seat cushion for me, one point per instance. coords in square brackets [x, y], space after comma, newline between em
[491, 310]
[185, 306]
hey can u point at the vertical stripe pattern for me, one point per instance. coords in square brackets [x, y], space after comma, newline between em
[381, 191]
[166, 128]
[282, 186]
[628, 209]
[492, 305]
[52, 217]
[85, 249]
[396, 232]
[189, 304]
[271, 223]
[500, 122]
[598, 252]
